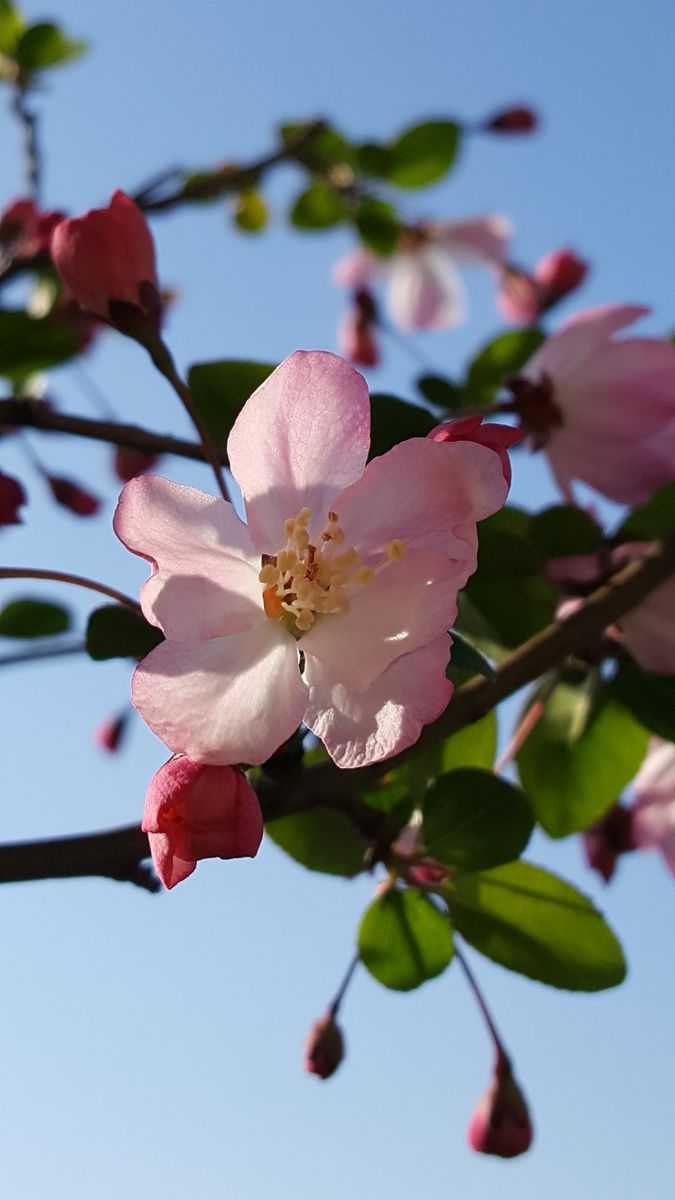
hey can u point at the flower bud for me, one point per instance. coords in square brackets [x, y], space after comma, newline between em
[518, 297]
[73, 497]
[471, 429]
[12, 496]
[324, 1047]
[356, 336]
[106, 258]
[194, 811]
[557, 274]
[110, 734]
[512, 120]
[501, 1122]
[129, 463]
[611, 836]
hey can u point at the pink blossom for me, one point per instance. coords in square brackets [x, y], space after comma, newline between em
[194, 812]
[354, 566]
[522, 298]
[324, 1047]
[501, 1122]
[499, 438]
[108, 255]
[602, 409]
[25, 231]
[654, 808]
[425, 289]
[609, 838]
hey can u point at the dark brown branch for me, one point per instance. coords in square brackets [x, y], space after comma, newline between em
[119, 854]
[28, 122]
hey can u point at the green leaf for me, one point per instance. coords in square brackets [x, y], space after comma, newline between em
[423, 154]
[473, 820]
[503, 555]
[250, 211]
[33, 618]
[404, 940]
[373, 159]
[29, 344]
[441, 391]
[115, 631]
[564, 530]
[531, 922]
[319, 207]
[378, 226]
[501, 357]
[45, 45]
[393, 421]
[510, 611]
[12, 25]
[469, 658]
[474, 746]
[220, 390]
[322, 840]
[650, 698]
[578, 758]
[326, 147]
[655, 519]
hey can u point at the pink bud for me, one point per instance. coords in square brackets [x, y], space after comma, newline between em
[512, 120]
[356, 336]
[194, 811]
[429, 872]
[12, 496]
[324, 1047]
[611, 836]
[471, 429]
[518, 296]
[109, 255]
[25, 232]
[73, 497]
[557, 274]
[501, 1122]
[110, 734]
[130, 463]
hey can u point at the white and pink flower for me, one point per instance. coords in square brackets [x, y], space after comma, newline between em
[332, 605]
[654, 808]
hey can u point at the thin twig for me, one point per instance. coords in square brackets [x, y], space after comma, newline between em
[28, 122]
[65, 577]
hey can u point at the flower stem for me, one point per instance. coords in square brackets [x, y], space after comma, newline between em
[65, 577]
[340, 994]
[482, 1005]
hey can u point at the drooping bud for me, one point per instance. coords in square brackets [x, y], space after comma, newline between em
[471, 429]
[194, 811]
[557, 274]
[128, 463]
[356, 336]
[324, 1047]
[610, 837]
[72, 496]
[518, 119]
[12, 496]
[109, 735]
[501, 1121]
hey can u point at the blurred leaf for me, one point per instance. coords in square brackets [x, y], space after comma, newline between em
[653, 520]
[650, 698]
[115, 631]
[578, 758]
[423, 154]
[321, 839]
[373, 159]
[33, 618]
[393, 421]
[503, 555]
[319, 207]
[510, 519]
[514, 609]
[533, 923]
[564, 530]
[250, 211]
[326, 147]
[30, 344]
[378, 226]
[45, 45]
[467, 656]
[474, 746]
[441, 391]
[12, 25]
[505, 355]
[386, 797]
[220, 390]
[404, 940]
[473, 820]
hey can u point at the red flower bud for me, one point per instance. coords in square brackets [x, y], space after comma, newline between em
[512, 120]
[324, 1047]
[108, 256]
[12, 496]
[73, 497]
[110, 734]
[130, 463]
[471, 429]
[25, 232]
[194, 811]
[610, 837]
[356, 336]
[558, 274]
[501, 1122]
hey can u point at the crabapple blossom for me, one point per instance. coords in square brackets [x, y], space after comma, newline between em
[602, 409]
[654, 807]
[499, 438]
[522, 298]
[193, 812]
[425, 289]
[350, 571]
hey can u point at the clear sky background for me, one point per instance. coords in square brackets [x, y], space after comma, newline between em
[151, 1046]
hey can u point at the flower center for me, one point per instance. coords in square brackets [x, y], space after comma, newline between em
[302, 581]
[535, 406]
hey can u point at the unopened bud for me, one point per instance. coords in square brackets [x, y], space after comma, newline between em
[610, 837]
[356, 335]
[130, 463]
[73, 497]
[501, 1122]
[12, 496]
[512, 120]
[324, 1047]
[110, 734]
[558, 274]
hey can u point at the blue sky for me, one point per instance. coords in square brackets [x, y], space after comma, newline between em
[152, 1046]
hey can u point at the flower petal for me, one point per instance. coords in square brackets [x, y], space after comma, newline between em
[408, 604]
[205, 578]
[425, 291]
[582, 335]
[302, 437]
[226, 700]
[358, 728]
[358, 269]
[169, 867]
[477, 239]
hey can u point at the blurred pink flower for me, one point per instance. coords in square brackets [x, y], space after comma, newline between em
[354, 567]
[425, 289]
[654, 807]
[357, 339]
[602, 409]
[609, 838]
[523, 298]
[194, 812]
